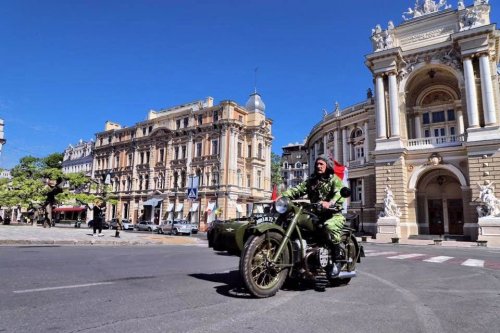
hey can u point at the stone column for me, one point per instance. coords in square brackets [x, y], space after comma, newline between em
[418, 126]
[365, 144]
[380, 106]
[345, 152]
[336, 147]
[460, 123]
[487, 90]
[394, 103]
[470, 89]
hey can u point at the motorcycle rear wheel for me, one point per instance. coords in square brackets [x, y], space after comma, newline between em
[262, 277]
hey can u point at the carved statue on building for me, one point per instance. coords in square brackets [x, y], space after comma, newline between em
[460, 5]
[382, 40]
[491, 205]
[427, 7]
[391, 209]
[480, 2]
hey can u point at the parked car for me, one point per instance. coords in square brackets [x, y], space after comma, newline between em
[230, 235]
[178, 227]
[127, 225]
[146, 226]
[105, 225]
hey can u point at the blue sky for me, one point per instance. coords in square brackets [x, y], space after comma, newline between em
[68, 66]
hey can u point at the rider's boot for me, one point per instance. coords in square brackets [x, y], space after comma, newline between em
[337, 256]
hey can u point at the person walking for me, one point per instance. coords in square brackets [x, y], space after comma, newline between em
[98, 215]
[119, 226]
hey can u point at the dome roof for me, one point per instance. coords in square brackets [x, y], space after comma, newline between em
[255, 103]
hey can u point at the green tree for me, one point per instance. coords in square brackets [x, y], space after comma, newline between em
[38, 184]
[276, 177]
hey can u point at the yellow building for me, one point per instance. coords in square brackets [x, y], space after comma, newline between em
[424, 146]
[151, 164]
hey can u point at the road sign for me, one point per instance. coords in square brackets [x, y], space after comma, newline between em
[192, 193]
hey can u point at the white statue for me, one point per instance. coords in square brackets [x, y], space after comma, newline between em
[390, 25]
[480, 2]
[388, 41]
[337, 109]
[428, 7]
[390, 207]
[460, 5]
[470, 18]
[491, 205]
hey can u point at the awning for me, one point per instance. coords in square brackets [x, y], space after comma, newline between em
[194, 207]
[179, 207]
[238, 208]
[152, 202]
[170, 207]
[69, 209]
[210, 207]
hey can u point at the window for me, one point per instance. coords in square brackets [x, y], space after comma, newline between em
[425, 118]
[198, 149]
[162, 155]
[142, 157]
[360, 152]
[427, 133]
[109, 139]
[176, 153]
[117, 161]
[144, 131]
[240, 178]
[357, 189]
[184, 152]
[147, 157]
[216, 116]
[285, 165]
[186, 122]
[451, 115]
[125, 210]
[130, 157]
[215, 147]
[146, 181]
[150, 129]
[178, 124]
[249, 149]
[259, 151]
[248, 180]
[240, 149]
[200, 119]
[259, 179]
[240, 118]
[438, 117]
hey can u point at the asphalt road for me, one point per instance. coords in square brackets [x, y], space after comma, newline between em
[193, 289]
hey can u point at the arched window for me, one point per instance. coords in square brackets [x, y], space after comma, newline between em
[298, 165]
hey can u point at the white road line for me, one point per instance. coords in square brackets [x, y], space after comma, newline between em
[406, 256]
[473, 263]
[374, 254]
[61, 287]
[370, 251]
[439, 259]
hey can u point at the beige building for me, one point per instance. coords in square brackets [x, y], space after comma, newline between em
[420, 145]
[151, 164]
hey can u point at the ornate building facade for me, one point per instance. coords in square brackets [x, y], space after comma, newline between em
[151, 164]
[294, 165]
[420, 146]
[78, 158]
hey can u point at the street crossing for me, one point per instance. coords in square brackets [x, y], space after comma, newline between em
[468, 262]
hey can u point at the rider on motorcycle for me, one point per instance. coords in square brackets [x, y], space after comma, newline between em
[323, 186]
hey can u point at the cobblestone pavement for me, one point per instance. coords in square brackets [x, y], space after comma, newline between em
[16, 234]
[68, 235]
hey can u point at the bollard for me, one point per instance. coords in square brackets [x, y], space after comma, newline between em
[482, 243]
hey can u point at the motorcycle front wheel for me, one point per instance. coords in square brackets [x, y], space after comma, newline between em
[262, 276]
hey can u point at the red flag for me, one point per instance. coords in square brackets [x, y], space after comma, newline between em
[339, 169]
[274, 196]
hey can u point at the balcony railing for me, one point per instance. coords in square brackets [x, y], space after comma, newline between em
[436, 142]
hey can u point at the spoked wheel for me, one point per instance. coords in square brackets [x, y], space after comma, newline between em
[261, 275]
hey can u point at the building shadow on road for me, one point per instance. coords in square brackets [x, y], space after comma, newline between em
[232, 285]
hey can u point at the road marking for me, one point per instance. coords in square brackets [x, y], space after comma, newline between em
[61, 287]
[406, 256]
[473, 263]
[379, 254]
[439, 259]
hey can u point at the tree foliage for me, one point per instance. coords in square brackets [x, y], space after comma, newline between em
[276, 177]
[37, 182]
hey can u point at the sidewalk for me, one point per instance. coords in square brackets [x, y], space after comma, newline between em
[21, 234]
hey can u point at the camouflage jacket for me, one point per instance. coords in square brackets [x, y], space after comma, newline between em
[327, 189]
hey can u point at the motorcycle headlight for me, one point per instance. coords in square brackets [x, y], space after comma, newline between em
[282, 205]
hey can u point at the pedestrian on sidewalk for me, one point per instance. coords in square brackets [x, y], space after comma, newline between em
[119, 226]
[98, 215]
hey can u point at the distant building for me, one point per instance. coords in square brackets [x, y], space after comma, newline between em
[294, 165]
[149, 165]
[5, 174]
[78, 158]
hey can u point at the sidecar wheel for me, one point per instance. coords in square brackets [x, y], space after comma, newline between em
[262, 277]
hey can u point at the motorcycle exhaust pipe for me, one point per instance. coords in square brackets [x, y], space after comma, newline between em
[346, 275]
